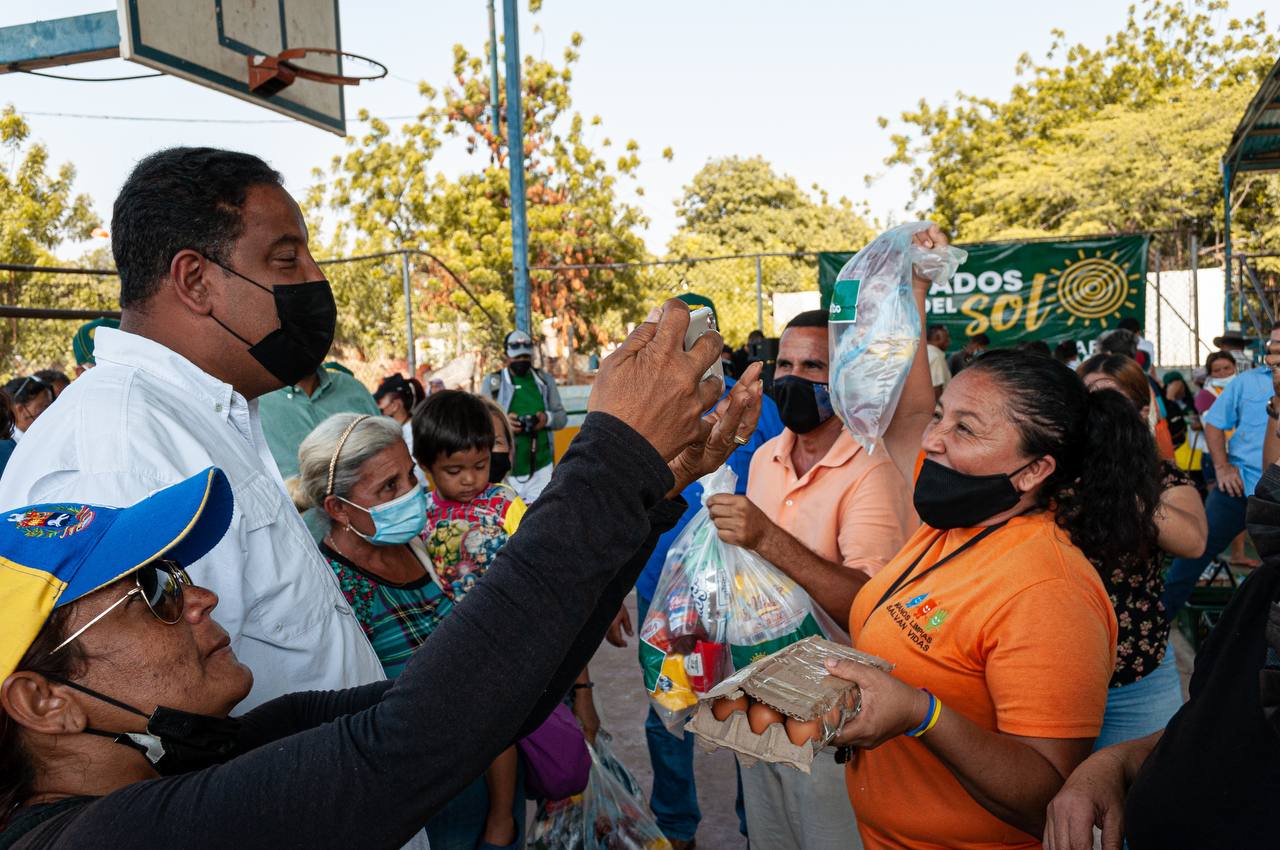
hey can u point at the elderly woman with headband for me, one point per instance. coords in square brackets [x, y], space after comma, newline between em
[356, 472]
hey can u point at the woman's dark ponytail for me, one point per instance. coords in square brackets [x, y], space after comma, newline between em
[1109, 510]
[1106, 486]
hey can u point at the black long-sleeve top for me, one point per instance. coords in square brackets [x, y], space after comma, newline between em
[367, 767]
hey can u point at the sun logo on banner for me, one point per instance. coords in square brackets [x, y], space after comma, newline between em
[1094, 288]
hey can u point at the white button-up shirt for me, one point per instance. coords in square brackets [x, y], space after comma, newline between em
[144, 418]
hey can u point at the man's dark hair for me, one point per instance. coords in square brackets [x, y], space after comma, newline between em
[808, 319]
[450, 421]
[176, 199]
[933, 329]
[1065, 351]
[980, 339]
[1129, 323]
[1119, 341]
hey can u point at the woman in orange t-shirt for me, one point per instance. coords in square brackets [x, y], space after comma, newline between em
[1001, 633]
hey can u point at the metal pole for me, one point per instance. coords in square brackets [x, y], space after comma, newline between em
[408, 314]
[1195, 296]
[1226, 239]
[515, 162]
[493, 68]
[759, 297]
[1159, 316]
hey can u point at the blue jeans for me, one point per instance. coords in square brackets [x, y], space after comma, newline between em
[1226, 520]
[674, 798]
[1137, 710]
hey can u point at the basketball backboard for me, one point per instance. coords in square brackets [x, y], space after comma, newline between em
[209, 42]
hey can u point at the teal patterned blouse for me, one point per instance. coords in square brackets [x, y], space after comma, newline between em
[396, 617]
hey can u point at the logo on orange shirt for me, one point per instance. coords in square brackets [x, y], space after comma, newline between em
[928, 608]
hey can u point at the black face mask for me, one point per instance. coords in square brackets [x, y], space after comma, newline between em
[499, 466]
[520, 368]
[308, 319]
[176, 741]
[947, 499]
[802, 404]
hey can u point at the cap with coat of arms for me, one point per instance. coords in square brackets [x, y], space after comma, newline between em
[53, 554]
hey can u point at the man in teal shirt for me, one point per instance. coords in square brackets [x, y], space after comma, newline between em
[535, 411]
[291, 413]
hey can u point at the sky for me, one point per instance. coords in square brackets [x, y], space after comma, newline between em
[800, 83]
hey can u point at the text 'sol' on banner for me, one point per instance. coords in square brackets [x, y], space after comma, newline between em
[1072, 289]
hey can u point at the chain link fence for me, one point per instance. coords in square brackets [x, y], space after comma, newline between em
[457, 327]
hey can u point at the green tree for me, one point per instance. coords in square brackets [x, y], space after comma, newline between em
[386, 197]
[1125, 136]
[742, 206]
[38, 212]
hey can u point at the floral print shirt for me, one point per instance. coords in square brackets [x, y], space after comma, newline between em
[1135, 589]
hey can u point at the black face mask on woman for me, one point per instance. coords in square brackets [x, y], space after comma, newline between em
[802, 404]
[176, 741]
[946, 499]
[499, 466]
[308, 318]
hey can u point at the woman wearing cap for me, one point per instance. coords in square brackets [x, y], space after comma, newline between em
[396, 397]
[999, 627]
[100, 628]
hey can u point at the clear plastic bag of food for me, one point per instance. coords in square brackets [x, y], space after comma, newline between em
[716, 607]
[610, 815]
[875, 326]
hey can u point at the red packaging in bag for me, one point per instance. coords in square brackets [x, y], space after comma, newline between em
[654, 631]
[705, 665]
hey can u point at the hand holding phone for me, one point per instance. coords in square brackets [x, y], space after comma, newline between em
[702, 320]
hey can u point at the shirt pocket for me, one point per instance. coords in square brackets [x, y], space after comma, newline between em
[292, 595]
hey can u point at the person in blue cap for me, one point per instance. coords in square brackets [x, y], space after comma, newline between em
[117, 685]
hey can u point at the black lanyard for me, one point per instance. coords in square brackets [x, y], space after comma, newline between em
[902, 580]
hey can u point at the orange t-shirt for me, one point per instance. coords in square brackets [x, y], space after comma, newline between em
[1016, 633]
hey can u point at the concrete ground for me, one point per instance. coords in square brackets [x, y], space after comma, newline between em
[622, 704]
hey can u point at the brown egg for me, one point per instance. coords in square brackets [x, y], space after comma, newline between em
[760, 717]
[722, 708]
[802, 732]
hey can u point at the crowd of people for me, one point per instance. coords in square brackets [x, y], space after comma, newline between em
[249, 602]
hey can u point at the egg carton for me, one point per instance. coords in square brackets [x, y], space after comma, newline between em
[794, 682]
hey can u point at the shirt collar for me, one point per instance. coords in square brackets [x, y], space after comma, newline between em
[840, 453]
[325, 381]
[146, 355]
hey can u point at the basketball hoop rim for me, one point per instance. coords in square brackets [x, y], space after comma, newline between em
[284, 58]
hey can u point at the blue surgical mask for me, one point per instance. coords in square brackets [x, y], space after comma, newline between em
[397, 521]
[1219, 383]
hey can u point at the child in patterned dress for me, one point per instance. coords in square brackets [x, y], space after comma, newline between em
[469, 518]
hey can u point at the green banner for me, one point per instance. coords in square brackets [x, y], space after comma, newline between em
[1072, 289]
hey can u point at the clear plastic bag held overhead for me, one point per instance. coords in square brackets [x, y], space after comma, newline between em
[875, 327]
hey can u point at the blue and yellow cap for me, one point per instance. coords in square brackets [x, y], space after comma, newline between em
[56, 553]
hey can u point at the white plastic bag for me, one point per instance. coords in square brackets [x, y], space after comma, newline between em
[716, 607]
[875, 326]
[610, 815]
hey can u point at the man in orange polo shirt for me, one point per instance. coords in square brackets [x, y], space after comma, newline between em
[829, 515]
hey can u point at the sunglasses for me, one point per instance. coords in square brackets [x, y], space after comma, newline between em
[159, 584]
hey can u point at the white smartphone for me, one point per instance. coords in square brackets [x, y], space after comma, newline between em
[702, 320]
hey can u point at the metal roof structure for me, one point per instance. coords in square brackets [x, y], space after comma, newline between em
[1254, 146]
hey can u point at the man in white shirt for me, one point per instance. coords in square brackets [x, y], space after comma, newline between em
[939, 339]
[222, 303]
